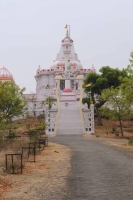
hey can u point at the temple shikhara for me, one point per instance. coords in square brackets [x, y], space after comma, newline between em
[63, 82]
[66, 60]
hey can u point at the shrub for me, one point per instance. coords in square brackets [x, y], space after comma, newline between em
[130, 141]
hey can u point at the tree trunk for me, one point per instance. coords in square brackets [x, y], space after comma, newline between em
[121, 126]
[99, 117]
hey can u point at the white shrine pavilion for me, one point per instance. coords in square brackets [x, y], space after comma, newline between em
[5, 75]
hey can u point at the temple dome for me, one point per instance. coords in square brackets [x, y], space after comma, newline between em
[5, 75]
[61, 63]
[54, 64]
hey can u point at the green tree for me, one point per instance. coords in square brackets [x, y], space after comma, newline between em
[118, 104]
[12, 101]
[32, 103]
[86, 100]
[49, 100]
[107, 78]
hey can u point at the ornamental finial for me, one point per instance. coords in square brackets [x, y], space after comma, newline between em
[67, 33]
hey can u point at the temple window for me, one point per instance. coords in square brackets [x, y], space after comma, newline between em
[47, 87]
[62, 84]
[66, 47]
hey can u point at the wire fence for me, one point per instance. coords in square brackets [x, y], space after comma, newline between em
[14, 163]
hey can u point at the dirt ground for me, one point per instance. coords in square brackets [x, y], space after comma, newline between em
[54, 163]
[112, 128]
[108, 136]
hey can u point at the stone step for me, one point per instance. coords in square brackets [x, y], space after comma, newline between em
[69, 131]
[75, 108]
[77, 121]
[65, 126]
[70, 114]
[68, 104]
[69, 121]
[63, 121]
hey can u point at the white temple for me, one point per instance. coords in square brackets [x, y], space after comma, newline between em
[63, 81]
[65, 60]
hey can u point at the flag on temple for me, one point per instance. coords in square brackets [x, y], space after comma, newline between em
[66, 26]
[88, 85]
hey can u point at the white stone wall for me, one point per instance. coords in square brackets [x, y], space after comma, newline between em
[52, 80]
[50, 118]
[43, 81]
[88, 115]
[92, 118]
[35, 108]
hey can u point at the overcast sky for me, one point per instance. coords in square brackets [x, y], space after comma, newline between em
[31, 32]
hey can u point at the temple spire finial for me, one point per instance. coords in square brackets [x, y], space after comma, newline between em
[67, 30]
[67, 33]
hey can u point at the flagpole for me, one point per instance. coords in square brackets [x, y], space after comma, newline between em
[69, 30]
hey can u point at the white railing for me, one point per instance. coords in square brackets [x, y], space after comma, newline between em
[80, 108]
[58, 106]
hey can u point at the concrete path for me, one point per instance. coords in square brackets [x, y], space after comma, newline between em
[99, 172]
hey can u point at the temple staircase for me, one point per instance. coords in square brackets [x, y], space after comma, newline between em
[69, 120]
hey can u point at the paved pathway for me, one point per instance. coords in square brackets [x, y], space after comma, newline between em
[99, 172]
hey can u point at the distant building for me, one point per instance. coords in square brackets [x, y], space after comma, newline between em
[5, 75]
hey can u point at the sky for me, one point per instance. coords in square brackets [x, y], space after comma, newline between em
[31, 32]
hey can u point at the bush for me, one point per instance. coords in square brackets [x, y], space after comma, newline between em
[86, 100]
[12, 133]
[130, 141]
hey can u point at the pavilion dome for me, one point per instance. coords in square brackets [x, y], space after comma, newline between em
[5, 75]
